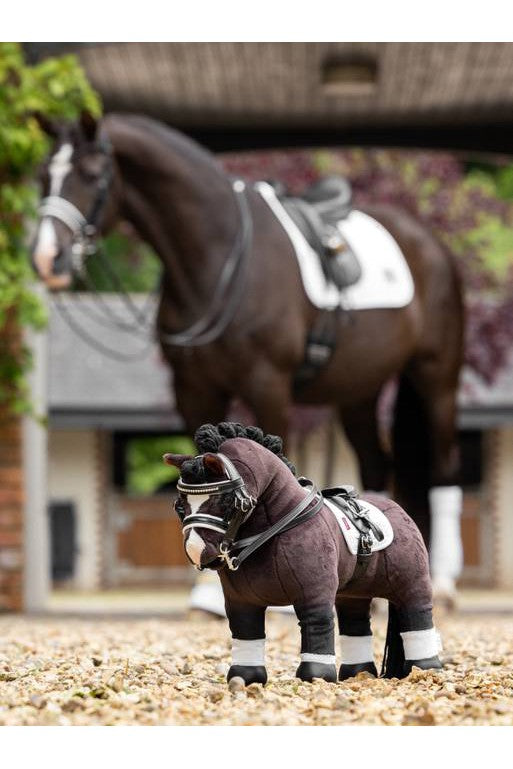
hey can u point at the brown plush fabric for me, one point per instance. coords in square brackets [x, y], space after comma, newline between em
[311, 564]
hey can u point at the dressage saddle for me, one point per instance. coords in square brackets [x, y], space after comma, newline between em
[316, 213]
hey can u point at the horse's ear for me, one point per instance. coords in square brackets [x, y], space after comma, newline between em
[214, 465]
[176, 460]
[89, 125]
[46, 124]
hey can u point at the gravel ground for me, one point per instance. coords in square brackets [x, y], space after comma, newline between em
[57, 671]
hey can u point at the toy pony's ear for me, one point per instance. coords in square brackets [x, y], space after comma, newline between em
[214, 465]
[176, 460]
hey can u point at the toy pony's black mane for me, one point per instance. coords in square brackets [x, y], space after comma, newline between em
[208, 438]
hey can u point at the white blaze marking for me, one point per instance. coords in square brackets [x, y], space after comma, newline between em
[194, 547]
[60, 167]
[47, 246]
[196, 500]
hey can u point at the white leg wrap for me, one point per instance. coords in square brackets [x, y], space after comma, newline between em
[446, 547]
[324, 659]
[421, 644]
[248, 652]
[356, 648]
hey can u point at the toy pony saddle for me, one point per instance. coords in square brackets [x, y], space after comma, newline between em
[366, 529]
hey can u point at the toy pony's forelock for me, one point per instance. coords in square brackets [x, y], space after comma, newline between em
[210, 437]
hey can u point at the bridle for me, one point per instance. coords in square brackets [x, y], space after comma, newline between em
[228, 291]
[229, 524]
[243, 505]
[83, 228]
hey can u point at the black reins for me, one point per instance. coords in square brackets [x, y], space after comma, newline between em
[224, 302]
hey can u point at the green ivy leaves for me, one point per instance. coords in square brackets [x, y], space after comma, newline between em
[58, 89]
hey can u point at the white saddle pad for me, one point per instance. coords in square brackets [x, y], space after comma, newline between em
[386, 280]
[351, 533]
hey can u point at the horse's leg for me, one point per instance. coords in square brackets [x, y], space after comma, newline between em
[267, 392]
[438, 395]
[420, 639]
[360, 424]
[199, 404]
[353, 615]
[247, 626]
[317, 642]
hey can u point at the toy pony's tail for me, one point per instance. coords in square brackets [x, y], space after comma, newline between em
[393, 657]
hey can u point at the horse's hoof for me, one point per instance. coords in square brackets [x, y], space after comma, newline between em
[444, 594]
[349, 671]
[250, 674]
[307, 671]
[430, 663]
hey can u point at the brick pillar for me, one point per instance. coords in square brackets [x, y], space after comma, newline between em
[11, 504]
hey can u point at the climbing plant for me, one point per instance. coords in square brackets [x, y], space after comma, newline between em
[56, 88]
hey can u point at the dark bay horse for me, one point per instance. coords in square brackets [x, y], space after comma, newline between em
[234, 317]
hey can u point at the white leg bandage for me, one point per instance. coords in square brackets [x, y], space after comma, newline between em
[446, 547]
[248, 652]
[356, 649]
[323, 659]
[421, 644]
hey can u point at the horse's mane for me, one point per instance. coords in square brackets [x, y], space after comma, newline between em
[209, 438]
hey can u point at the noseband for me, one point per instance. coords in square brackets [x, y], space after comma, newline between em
[243, 506]
[83, 228]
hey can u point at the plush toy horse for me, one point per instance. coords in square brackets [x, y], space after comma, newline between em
[277, 541]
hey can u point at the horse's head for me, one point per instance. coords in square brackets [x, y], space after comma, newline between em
[78, 184]
[214, 500]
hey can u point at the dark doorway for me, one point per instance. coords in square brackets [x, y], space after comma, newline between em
[63, 540]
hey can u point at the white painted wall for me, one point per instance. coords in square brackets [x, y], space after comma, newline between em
[72, 476]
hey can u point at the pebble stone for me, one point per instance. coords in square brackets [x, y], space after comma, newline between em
[167, 672]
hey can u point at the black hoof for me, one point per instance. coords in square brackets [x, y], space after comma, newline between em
[307, 671]
[251, 674]
[430, 663]
[348, 671]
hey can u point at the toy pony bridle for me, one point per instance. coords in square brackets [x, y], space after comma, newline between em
[83, 227]
[243, 506]
[229, 524]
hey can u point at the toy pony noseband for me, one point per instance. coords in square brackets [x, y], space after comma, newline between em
[244, 504]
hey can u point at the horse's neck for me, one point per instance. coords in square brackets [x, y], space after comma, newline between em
[281, 493]
[181, 203]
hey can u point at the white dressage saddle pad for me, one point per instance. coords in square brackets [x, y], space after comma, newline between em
[386, 280]
[351, 533]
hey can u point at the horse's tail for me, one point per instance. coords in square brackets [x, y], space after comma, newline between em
[393, 656]
[411, 441]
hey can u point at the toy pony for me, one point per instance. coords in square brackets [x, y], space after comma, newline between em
[276, 540]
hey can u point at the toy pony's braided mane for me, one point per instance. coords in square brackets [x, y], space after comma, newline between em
[209, 438]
